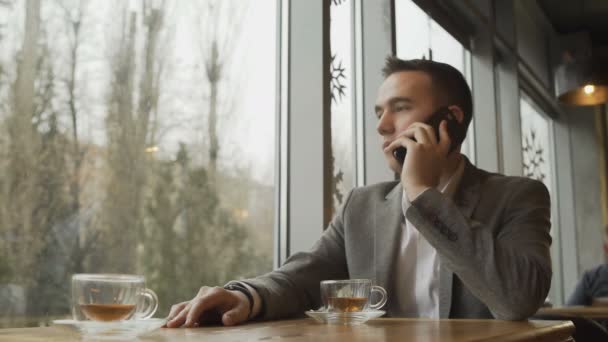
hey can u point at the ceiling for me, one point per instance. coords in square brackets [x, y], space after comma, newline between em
[569, 16]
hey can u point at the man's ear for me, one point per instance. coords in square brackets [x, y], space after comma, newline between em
[458, 113]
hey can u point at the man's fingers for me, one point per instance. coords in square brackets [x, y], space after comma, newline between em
[444, 141]
[176, 309]
[180, 317]
[402, 141]
[212, 299]
[422, 133]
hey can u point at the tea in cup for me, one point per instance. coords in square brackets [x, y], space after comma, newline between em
[111, 297]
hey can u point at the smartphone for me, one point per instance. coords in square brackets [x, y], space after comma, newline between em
[443, 113]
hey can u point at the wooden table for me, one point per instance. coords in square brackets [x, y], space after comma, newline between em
[383, 329]
[593, 312]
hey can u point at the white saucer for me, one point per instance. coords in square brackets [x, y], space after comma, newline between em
[345, 318]
[122, 330]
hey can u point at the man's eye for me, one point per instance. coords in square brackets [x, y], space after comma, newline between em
[401, 108]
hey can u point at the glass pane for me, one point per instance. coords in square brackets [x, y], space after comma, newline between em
[538, 164]
[468, 145]
[419, 36]
[447, 49]
[341, 99]
[135, 137]
[412, 28]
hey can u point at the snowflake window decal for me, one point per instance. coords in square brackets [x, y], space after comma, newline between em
[338, 76]
[533, 160]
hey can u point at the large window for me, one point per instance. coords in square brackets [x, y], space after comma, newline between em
[135, 137]
[419, 36]
[539, 164]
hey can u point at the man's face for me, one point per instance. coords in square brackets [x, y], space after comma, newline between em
[404, 97]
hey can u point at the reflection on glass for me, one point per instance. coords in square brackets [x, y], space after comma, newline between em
[341, 99]
[135, 137]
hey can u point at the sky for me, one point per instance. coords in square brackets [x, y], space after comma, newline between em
[249, 133]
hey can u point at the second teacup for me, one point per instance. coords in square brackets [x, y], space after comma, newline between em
[351, 295]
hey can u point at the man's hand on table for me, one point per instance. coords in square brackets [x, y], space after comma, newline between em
[211, 305]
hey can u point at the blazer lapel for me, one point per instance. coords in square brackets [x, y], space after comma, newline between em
[465, 198]
[387, 228]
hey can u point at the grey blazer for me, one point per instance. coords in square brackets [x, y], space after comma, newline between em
[492, 240]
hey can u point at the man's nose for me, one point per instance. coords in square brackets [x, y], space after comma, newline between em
[385, 125]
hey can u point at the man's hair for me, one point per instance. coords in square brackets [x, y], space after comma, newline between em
[449, 85]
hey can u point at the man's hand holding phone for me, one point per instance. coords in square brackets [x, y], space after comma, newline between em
[426, 156]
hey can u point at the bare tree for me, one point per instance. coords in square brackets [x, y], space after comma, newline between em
[128, 133]
[220, 29]
[74, 19]
[23, 145]
[35, 176]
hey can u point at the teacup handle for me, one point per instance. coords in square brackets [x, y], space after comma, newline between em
[150, 305]
[382, 301]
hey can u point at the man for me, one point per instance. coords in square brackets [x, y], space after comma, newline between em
[593, 284]
[447, 240]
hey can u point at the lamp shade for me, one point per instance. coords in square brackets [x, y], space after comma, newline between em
[581, 73]
[582, 81]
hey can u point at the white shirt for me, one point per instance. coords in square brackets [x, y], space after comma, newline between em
[418, 264]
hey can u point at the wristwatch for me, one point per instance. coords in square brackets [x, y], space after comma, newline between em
[237, 286]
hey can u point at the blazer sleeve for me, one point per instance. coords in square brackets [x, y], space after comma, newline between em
[508, 269]
[295, 286]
